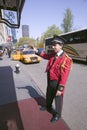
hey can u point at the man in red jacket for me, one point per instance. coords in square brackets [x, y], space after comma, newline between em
[58, 68]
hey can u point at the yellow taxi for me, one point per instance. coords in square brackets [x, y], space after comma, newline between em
[16, 55]
[29, 56]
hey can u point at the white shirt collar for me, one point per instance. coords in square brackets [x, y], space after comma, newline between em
[59, 53]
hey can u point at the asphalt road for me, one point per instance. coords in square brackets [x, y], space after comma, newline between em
[74, 107]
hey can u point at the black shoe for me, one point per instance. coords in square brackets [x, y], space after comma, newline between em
[43, 108]
[55, 119]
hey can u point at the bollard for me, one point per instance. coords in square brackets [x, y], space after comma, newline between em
[17, 67]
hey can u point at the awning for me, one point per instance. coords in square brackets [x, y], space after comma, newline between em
[10, 12]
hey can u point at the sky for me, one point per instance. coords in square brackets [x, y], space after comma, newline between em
[41, 14]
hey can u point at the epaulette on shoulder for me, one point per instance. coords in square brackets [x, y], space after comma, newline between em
[68, 56]
[70, 59]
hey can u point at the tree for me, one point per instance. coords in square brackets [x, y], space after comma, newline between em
[50, 32]
[67, 21]
[26, 40]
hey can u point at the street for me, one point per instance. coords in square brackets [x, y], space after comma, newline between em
[74, 107]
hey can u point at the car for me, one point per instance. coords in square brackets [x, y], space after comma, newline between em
[29, 56]
[41, 50]
[16, 55]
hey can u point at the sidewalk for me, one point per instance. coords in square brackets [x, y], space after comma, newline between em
[23, 113]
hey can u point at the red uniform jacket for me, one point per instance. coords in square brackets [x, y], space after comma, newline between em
[59, 70]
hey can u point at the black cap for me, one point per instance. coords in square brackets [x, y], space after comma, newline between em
[58, 40]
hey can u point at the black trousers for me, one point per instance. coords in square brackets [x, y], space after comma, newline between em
[50, 96]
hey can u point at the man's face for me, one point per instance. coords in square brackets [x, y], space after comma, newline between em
[57, 48]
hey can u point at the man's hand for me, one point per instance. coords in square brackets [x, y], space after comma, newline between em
[58, 93]
[35, 50]
[32, 47]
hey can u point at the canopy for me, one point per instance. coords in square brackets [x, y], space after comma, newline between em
[10, 12]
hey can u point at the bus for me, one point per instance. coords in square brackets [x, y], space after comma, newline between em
[75, 44]
[67, 48]
[78, 40]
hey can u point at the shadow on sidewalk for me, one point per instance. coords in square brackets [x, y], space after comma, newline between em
[9, 111]
[35, 94]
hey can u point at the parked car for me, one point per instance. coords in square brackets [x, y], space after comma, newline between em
[30, 57]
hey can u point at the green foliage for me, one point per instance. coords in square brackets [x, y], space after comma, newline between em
[40, 45]
[67, 21]
[26, 40]
[50, 32]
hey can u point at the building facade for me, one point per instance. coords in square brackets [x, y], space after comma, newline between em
[3, 34]
[25, 31]
[7, 35]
